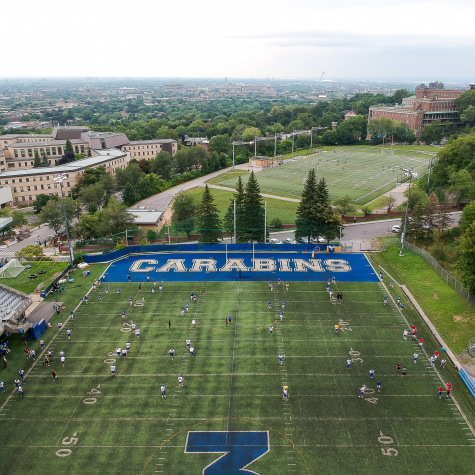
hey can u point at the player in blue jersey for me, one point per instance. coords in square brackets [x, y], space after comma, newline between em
[378, 386]
[281, 359]
[348, 364]
[269, 305]
[385, 300]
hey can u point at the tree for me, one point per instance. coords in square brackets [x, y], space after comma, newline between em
[89, 226]
[463, 185]
[468, 216]
[129, 195]
[37, 161]
[19, 219]
[209, 223]
[431, 214]
[433, 132]
[115, 218]
[184, 211]
[31, 252]
[68, 147]
[41, 201]
[52, 213]
[458, 154]
[239, 197]
[44, 161]
[254, 210]
[151, 234]
[305, 222]
[89, 152]
[330, 137]
[92, 194]
[465, 100]
[250, 133]
[161, 165]
[466, 262]
[415, 222]
[328, 223]
[399, 95]
[131, 175]
[417, 196]
[344, 205]
[468, 117]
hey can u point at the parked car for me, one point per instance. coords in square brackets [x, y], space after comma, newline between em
[274, 241]
[290, 240]
[304, 240]
[396, 228]
[320, 240]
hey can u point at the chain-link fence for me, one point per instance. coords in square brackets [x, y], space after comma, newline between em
[450, 279]
[471, 347]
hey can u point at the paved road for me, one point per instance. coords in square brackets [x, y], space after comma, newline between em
[37, 234]
[372, 229]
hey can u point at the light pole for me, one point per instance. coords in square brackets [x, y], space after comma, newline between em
[401, 254]
[59, 179]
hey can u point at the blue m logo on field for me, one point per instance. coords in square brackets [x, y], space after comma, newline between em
[239, 450]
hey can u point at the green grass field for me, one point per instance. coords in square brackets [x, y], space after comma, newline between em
[89, 422]
[363, 173]
[23, 283]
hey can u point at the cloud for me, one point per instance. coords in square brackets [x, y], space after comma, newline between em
[345, 39]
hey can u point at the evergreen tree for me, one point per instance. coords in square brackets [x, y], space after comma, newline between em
[240, 214]
[306, 226]
[314, 213]
[68, 147]
[44, 162]
[37, 162]
[208, 222]
[89, 153]
[254, 209]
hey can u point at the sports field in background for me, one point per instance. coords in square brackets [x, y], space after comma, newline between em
[231, 401]
[363, 173]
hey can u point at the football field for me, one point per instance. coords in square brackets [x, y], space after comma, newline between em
[230, 413]
[363, 173]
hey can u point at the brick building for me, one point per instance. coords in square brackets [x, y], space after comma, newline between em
[428, 105]
[147, 149]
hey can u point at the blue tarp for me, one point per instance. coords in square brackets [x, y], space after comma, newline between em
[110, 256]
[213, 266]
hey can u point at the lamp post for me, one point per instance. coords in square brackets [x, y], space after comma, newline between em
[401, 254]
[59, 179]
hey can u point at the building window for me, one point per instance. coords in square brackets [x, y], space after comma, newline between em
[16, 198]
[6, 182]
[14, 190]
[36, 151]
[22, 153]
[42, 151]
[76, 149]
[82, 148]
[15, 152]
[41, 178]
[59, 150]
[35, 187]
[42, 187]
[48, 151]
[27, 179]
[11, 165]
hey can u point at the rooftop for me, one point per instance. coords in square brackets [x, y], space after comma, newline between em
[21, 136]
[101, 135]
[101, 157]
[145, 142]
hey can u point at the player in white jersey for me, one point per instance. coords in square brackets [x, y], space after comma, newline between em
[180, 381]
[127, 346]
[404, 334]
[113, 370]
[62, 359]
[163, 391]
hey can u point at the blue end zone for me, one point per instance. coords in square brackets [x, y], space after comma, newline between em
[213, 266]
[240, 449]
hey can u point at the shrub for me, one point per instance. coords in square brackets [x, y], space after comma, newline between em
[276, 223]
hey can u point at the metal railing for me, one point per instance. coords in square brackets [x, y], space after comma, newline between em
[443, 274]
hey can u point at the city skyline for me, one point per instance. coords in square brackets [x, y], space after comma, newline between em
[301, 40]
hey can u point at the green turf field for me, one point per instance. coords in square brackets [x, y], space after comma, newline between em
[363, 173]
[89, 422]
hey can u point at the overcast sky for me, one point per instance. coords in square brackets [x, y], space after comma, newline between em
[385, 39]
